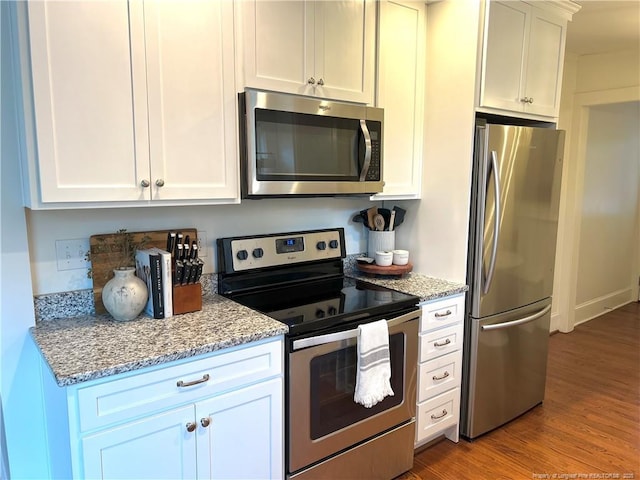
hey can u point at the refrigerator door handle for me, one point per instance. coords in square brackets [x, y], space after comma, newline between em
[496, 222]
[521, 321]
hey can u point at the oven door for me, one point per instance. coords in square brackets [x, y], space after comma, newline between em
[323, 417]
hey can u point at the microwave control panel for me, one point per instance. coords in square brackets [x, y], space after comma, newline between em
[255, 252]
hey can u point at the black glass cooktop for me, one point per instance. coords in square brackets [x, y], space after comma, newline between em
[323, 304]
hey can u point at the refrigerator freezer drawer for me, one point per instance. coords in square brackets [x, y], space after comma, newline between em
[439, 375]
[440, 342]
[441, 313]
[508, 365]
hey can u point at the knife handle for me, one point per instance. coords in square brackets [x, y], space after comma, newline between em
[186, 274]
[177, 278]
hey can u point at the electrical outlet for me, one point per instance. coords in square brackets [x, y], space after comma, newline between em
[202, 244]
[72, 254]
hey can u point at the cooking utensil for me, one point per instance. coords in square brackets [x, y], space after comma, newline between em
[371, 212]
[386, 214]
[392, 220]
[400, 212]
[378, 221]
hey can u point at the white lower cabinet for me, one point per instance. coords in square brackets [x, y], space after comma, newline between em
[440, 369]
[217, 417]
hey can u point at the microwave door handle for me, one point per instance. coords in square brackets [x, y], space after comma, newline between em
[367, 150]
[347, 334]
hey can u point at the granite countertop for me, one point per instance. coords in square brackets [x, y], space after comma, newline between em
[423, 286]
[94, 346]
[89, 347]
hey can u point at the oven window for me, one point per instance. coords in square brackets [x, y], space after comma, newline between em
[333, 379]
[295, 146]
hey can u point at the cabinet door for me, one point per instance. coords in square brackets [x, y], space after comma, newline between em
[344, 55]
[89, 100]
[504, 55]
[192, 101]
[278, 45]
[156, 447]
[544, 63]
[244, 435]
[401, 94]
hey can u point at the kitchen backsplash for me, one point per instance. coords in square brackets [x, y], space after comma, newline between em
[80, 302]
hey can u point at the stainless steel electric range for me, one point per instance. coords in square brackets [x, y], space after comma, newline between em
[298, 278]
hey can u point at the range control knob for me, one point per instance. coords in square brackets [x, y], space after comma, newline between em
[319, 313]
[332, 310]
[321, 245]
[242, 255]
[257, 253]
[333, 244]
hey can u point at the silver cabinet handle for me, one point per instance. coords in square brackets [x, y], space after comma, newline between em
[496, 222]
[321, 82]
[367, 149]
[145, 183]
[160, 182]
[435, 417]
[527, 100]
[530, 99]
[441, 377]
[445, 314]
[205, 378]
[205, 422]
[521, 321]
[446, 342]
[311, 81]
[191, 427]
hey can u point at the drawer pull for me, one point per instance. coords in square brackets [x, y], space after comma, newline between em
[436, 417]
[205, 421]
[442, 377]
[191, 427]
[204, 378]
[445, 343]
[445, 314]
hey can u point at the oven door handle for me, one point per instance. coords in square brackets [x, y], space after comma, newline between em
[348, 334]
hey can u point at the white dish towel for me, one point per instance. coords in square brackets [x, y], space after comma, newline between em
[373, 378]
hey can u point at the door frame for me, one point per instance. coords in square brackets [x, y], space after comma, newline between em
[570, 219]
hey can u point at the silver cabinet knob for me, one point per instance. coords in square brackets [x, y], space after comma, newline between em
[321, 82]
[160, 182]
[145, 183]
[311, 81]
[530, 99]
[525, 100]
[205, 421]
[191, 427]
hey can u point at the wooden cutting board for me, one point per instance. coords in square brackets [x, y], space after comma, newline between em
[106, 251]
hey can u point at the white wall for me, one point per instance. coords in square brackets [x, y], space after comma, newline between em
[590, 81]
[20, 386]
[608, 242]
[250, 217]
[436, 228]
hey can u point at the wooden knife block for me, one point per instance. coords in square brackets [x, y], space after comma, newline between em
[187, 298]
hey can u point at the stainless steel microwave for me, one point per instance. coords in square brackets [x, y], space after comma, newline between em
[293, 145]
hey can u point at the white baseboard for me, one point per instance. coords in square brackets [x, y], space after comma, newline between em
[599, 306]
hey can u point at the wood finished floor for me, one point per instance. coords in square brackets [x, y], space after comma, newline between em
[587, 427]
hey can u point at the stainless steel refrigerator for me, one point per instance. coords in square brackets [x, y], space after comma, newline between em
[514, 218]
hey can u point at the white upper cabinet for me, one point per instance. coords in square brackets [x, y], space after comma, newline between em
[324, 49]
[523, 56]
[132, 103]
[400, 91]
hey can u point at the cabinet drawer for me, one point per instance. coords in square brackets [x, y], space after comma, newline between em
[441, 313]
[440, 342]
[439, 375]
[437, 414]
[121, 399]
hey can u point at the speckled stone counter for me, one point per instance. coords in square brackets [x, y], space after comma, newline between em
[89, 347]
[427, 288]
